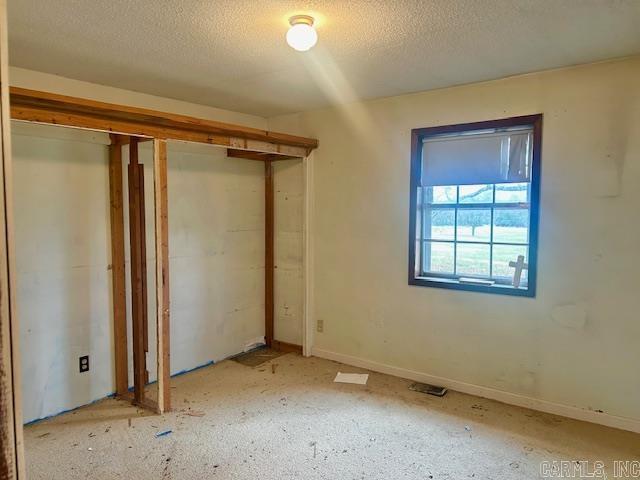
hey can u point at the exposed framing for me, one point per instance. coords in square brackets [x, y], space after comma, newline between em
[269, 254]
[130, 126]
[260, 156]
[50, 108]
[118, 266]
[137, 237]
[162, 272]
[417, 137]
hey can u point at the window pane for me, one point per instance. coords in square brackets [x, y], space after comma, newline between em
[476, 194]
[442, 195]
[472, 259]
[438, 257]
[474, 225]
[439, 224]
[511, 225]
[502, 255]
[512, 193]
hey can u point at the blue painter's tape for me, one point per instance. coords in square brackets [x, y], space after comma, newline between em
[113, 394]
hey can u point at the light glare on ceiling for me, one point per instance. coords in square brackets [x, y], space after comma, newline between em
[301, 36]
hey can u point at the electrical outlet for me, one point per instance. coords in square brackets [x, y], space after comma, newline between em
[320, 325]
[84, 363]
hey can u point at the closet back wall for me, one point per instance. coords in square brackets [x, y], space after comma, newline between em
[216, 237]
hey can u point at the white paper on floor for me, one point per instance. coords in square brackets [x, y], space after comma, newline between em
[358, 378]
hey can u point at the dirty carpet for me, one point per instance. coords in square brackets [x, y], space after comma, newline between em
[231, 421]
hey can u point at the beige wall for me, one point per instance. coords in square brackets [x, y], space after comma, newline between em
[576, 343]
[288, 186]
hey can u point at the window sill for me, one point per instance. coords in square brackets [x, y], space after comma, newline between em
[453, 284]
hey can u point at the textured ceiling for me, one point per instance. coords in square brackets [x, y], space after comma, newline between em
[232, 54]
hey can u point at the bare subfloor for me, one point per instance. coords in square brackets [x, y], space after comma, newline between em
[291, 421]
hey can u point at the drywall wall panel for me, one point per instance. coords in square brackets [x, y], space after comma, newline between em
[288, 189]
[575, 343]
[61, 200]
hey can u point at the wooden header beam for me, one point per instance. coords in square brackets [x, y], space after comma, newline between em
[260, 156]
[43, 107]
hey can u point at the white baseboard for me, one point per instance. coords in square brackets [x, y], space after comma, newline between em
[623, 423]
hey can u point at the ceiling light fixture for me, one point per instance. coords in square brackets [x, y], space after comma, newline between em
[301, 36]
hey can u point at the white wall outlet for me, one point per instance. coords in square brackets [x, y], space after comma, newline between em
[320, 325]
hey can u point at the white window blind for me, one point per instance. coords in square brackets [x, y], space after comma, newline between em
[477, 158]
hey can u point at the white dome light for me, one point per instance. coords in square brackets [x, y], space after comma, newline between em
[301, 36]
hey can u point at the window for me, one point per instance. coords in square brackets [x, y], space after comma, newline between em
[474, 206]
